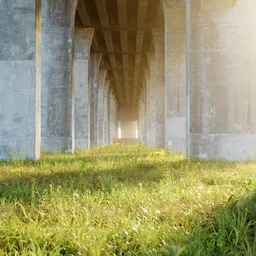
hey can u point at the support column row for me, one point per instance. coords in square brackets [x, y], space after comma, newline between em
[64, 109]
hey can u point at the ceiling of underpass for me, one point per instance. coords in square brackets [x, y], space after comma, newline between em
[123, 37]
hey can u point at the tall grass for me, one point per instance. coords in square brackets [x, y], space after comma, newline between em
[127, 200]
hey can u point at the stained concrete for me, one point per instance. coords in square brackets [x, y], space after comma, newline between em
[20, 79]
[223, 61]
[100, 121]
[83, 39]
[106, 114]
[95, 60]
[57, 81]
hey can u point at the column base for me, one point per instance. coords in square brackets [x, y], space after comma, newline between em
[57, 145]
[81, 144]
[231, 147]
[176, 133]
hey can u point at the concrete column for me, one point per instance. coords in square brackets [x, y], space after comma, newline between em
[112, 117]
[83, 39]
[100, 124]
[152, 106]
[142, 116]
[20, 79]
[95, 60]
[223, 60]
[175, 75]
[159, 87]
[106, 113]
[57, 78]
[115, 120]
[148, 108]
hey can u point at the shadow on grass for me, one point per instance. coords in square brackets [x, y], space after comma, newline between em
[23, 186]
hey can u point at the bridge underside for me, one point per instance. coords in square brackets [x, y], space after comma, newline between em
[78, 74]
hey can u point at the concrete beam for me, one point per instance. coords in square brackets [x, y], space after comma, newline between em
[83, 14]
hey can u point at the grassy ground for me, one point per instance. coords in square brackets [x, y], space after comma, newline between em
[127, 200]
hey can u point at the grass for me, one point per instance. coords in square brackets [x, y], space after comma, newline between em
[127, 200]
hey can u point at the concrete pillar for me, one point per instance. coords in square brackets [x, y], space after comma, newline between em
[116, 123]
[95, 60]
[148, 107]
[152, 106]
[20, 79]
[83, 40]
[112, 117]
[142, 116]
[106, 113]
[175, 75]
[159, 87]
[57, 78]
[100, 124]
[223, 79]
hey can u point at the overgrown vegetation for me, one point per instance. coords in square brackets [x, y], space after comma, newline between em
[127, 200]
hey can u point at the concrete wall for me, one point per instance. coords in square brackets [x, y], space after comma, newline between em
[223, 55]
[83, 39]
[20, 79]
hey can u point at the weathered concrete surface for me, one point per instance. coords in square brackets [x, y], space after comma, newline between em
[223, 60]
[57, 82]
[20, 79]
[106, 113]
[159, 87]
[95, 60]
[83, 39]
[175, 75]
[100, 124]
